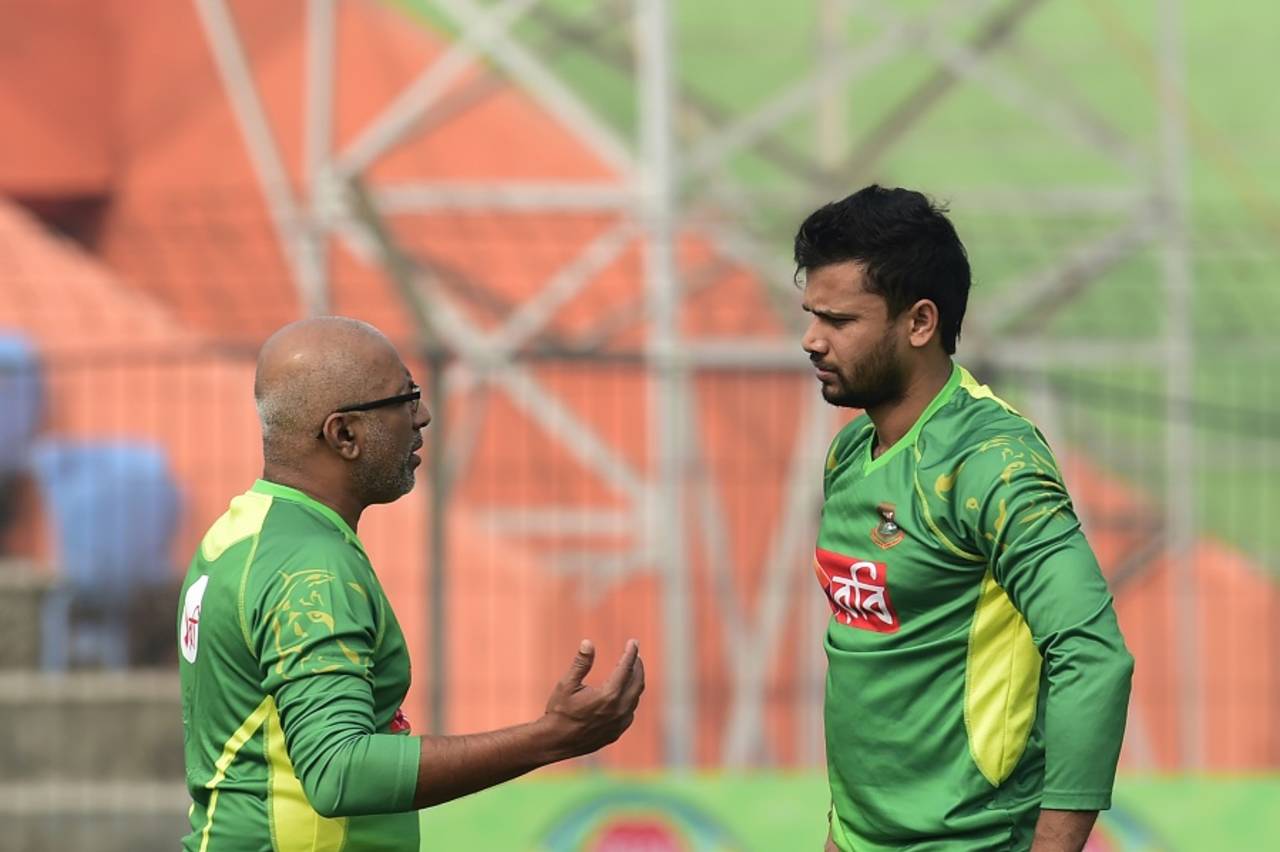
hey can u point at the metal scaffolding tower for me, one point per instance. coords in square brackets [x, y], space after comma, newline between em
[672, 180]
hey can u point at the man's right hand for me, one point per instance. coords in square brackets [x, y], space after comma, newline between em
[581, 718]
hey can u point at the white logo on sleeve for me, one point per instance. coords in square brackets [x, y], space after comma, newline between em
[189, 630]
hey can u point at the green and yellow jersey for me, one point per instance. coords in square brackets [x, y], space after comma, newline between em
[976, 672]
[293, 671]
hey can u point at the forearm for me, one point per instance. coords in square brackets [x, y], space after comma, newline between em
[1089, 675]
[452, 767]
[1063, 831]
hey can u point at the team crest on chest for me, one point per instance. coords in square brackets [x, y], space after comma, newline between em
[887, 533]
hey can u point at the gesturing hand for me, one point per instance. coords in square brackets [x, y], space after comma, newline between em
[583, 718]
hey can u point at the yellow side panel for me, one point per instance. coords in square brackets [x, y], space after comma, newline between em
[242, 519]
[230, 749]
[295, 826]
[1002, 680]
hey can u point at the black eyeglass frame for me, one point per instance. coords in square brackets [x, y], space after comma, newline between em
[413, 395]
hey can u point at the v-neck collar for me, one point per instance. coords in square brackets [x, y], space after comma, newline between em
[948, 390]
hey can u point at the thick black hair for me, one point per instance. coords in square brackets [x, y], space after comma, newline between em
[907, 245]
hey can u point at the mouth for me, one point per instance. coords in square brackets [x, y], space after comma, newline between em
[414, 458]
[824, 375]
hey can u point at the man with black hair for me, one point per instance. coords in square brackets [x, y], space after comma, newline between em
[977, 680]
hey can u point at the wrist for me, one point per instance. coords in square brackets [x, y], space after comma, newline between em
[551, 743]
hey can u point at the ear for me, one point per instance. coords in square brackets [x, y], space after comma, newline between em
[343, 432]
[922, 322]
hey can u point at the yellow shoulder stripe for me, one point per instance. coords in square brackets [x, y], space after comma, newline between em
[243, 518]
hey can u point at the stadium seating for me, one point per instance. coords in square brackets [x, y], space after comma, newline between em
[20, 400]
[114, 510]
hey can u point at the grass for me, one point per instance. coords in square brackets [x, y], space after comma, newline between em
[763, 811]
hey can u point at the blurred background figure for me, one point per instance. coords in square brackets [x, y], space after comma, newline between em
[574, 219]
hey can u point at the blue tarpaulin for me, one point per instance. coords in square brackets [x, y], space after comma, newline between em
[114, 508]
[20, 400]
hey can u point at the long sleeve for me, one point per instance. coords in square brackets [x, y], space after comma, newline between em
[315, 632]
[1028, 530]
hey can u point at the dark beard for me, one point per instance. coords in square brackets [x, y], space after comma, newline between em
[878, 380]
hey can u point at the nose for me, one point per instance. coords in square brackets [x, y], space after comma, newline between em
[812, 342]
[421, 418]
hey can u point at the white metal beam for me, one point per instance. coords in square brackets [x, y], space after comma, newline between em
[317, 138]
[1180, 448]
[833, 101]
[751, 662]
[317, 142]
[716, 544]
[715, 150]
[599, 571]
[775, 274]
[534, 314]
[1053, 201]
[766, 118]
[452, 328]
[968, 63]
[397, 121]
[1073, 270]
[785, 354]
[527, 196]
[546, 87]
[578, 439]
[242, 93]
[559, 521]
[668, 396]
[1008, 201]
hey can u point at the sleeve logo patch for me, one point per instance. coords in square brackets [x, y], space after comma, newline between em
[189, 629]
[857, 590]
[400, 723]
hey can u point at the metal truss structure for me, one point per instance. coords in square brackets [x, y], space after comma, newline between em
[669, 178]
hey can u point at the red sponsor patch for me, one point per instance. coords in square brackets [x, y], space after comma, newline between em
[857, 590]
[400, 723]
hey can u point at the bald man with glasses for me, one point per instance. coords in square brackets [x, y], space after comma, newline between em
[292, 663]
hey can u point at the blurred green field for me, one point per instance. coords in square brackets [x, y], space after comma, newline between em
[771, 811]
[1093, 57]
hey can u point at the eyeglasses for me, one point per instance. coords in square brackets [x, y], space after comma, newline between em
[412, 397]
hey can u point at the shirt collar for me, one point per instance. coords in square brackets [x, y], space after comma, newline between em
[948, 391]
[293, 495]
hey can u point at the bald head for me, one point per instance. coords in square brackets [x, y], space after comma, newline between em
[311, 368]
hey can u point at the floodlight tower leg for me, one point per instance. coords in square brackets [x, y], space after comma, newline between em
[1179, 381]
[236, 76]
[667, 421]
[317, 141]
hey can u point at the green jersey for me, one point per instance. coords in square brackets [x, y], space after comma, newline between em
[293, 670]
[976, 672]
